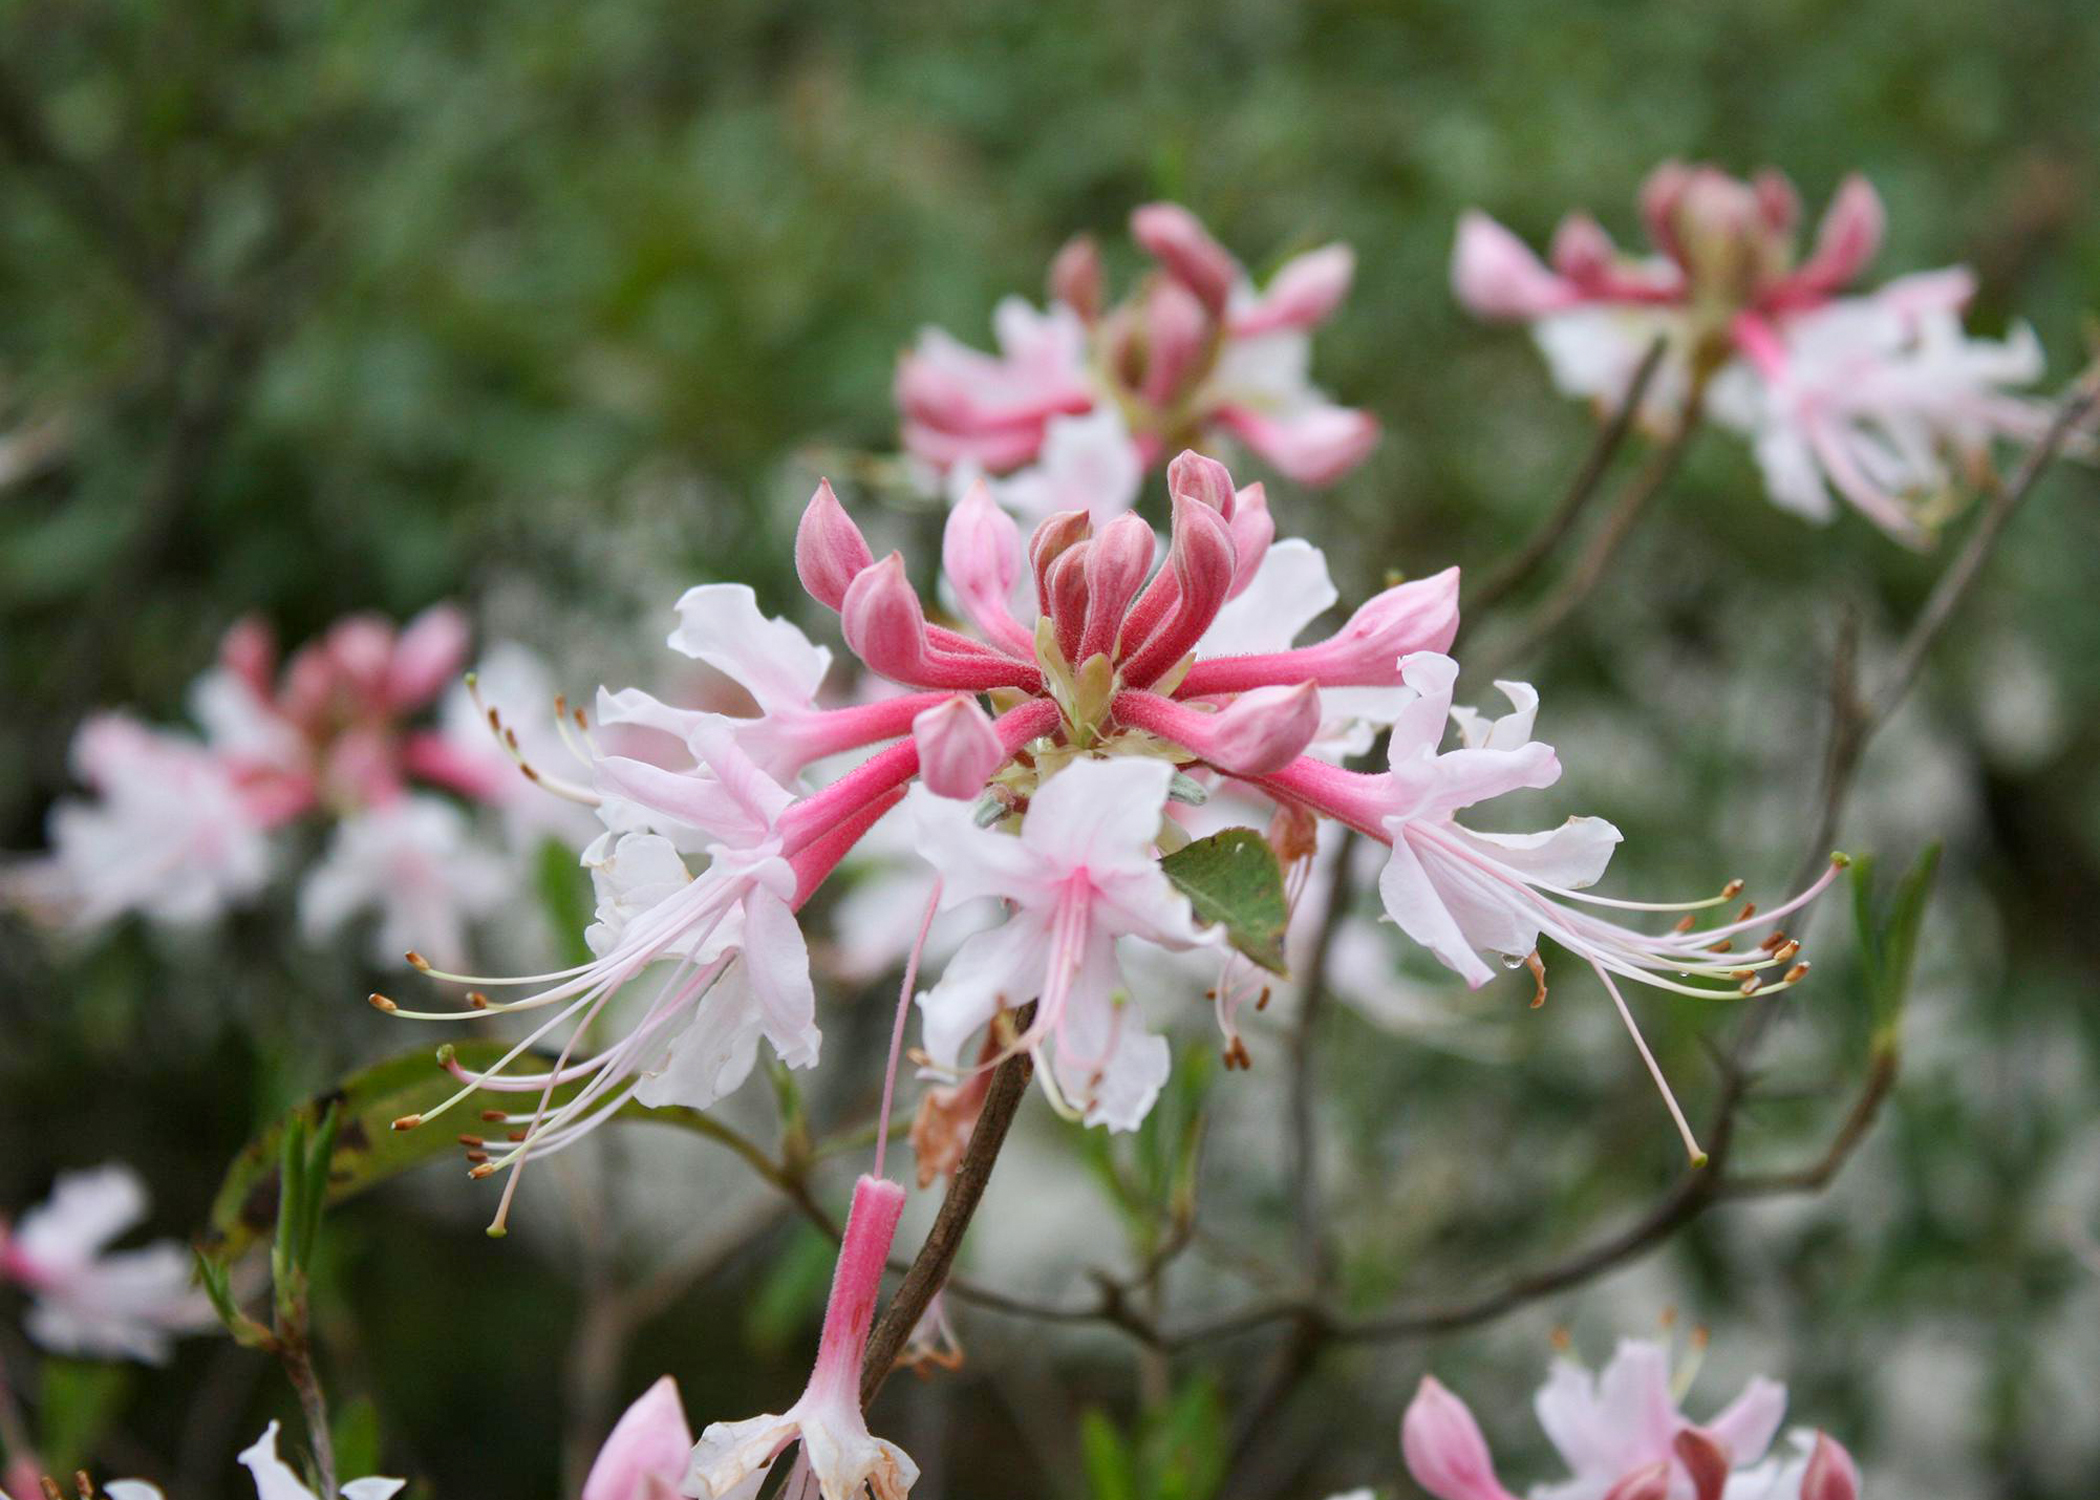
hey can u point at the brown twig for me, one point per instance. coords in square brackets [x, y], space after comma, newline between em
[1550, 532]
[929, 1270]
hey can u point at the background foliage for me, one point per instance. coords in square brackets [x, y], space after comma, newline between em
[322, 306]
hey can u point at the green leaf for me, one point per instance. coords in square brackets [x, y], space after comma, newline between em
[80, 1403]
[1888, 937]
[366, 1149]
[1110, 1472]
[355, 1431]
[565, 895]
[1232, 878]
[789, 1297]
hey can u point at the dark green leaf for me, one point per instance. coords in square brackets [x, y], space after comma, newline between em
[355, 1430]
[1233, 879]
[565, 895]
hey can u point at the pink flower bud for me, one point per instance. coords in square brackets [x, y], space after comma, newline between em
[358, 651]
[1176, 327]
[1201, 562]
[1495, 275]
[981, 554]
[1116, 565]
[427, 655]
[1831, 1475]
[1314, 446]
[1420, 615]
[1660, 195]
[1777, 201]
[645, 1455]
[830, 552]
[1305, 291]
[1846, 240]
[1065, 586]
[1444, 1449]
[1706, 1460]
[958, 748]
[1265, 730]
[1176, 238]
[1649, 1482]
[884, 622]
[249, 651]
[1582, 251]
[1075, 276]
[1253, 528]
[1055, 534]
[1193, 476]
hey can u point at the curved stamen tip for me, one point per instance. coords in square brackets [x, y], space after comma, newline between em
[445, 1054]
[1733, 889]
[1699, 1159]
[1841, 859]
[408, 1122]
[472, 679]
[494, 1231]
[380, 1002]
[417, 960]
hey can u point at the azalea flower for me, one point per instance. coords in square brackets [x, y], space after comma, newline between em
[1623, 1436]
[1879, 397]
[87, 1299]
[274, 1479]
[733, 1458]
[1460, 893]
[644, 1457]
[1079, 875]
[1081, 399]
[184, 827]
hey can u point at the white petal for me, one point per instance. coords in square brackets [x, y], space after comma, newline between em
[86, 1210]
[1571, 856]
[1288, 592]
[1098, 815]
[1413, 902]
[1001, 967]
[777, 958]
[274, 1479]
[772, 660]
[715, 1053]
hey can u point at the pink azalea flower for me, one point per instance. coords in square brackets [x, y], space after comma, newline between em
[733, 1458]
[88, 1299]
[1881, 398]
[1080, 875]
[1460, 893]
[1081, 399]
[645, 1456]
[1623, 1436]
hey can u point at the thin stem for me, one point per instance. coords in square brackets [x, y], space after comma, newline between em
[296, 1355]
[911, 977]
[929, 1270]
[1540, 544]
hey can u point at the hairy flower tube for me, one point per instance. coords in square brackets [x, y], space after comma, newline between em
[1880, 398]
[1035, 759]
[1081, 399]
[1623, 1436]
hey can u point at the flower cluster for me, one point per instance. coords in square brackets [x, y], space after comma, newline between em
[183, 826]
[1082, 398]
[1623, 1437]
[1035, 762]
[1880, 397]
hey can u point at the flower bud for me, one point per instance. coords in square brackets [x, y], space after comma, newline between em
[1053, 537]
[830, 552]
[1075, 276]
[1582, 251]
[1495, 275]
[1443, 1448]
[1305, 291]
[958, 748]
[1175, 329]
[1660, 195]
[981, 554]
[647, 1451]
[1116, 564]
[430, 651]
[1176, 238]
[884, 622]
[357, 652]
[1777, 201]
[1201, 561]
[1264, 730]
[1831, 1474]
[1253, 528]
[249, 652]
[1194, 476]
[1846, 240]
[1065, 587]
[1421, 615]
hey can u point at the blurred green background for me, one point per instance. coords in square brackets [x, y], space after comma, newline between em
[314, 307]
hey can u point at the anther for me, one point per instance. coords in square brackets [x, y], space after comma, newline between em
[1749, 910]
[408, 1122]
[514, 1135]
[478, 1000]
[481, 1169]
[1561, 1340]
[380, 1002]
[1786, 951]
[1731, 890]
[473, 1141]
[1748, 987]
[51, 1489]
[417, 960]
[1797, 973]
[494, 1116]
[477, 1157]
[1723, 946]
[1684, 923]
[1537, 965]
[1741, 974]
[1778, 939]
[1261, 1001]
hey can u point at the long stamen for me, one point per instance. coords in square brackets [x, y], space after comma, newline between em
[1684, 1129]
[911, 978]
